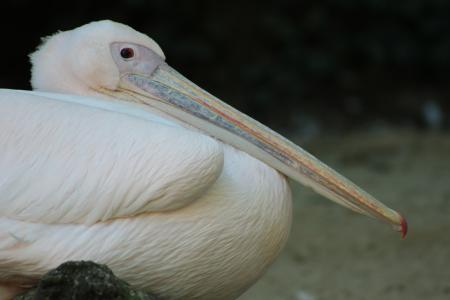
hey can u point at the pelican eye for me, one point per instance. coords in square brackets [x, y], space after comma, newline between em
[127, 53]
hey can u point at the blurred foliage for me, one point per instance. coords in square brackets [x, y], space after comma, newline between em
[293, 64]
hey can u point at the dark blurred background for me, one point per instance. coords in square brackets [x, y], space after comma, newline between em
[300, 66]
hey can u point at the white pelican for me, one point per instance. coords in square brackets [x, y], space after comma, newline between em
[118, 159]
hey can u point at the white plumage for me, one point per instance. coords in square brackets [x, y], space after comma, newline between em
[142, 187]
[211, 218]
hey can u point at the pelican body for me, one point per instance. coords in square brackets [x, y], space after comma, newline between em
[117, 158]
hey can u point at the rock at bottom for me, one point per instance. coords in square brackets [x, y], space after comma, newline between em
[83, 280]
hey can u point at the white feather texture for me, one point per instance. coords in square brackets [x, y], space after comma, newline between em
[168, 209]
[78, 60]
[126, 174]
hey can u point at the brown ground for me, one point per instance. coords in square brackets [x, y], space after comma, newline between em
[336, 254]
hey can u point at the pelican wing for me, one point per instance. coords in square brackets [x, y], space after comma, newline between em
[67, 159]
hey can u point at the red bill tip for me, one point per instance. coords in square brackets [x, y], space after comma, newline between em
[404, 225]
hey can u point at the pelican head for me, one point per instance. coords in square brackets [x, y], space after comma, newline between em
[114, 61]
